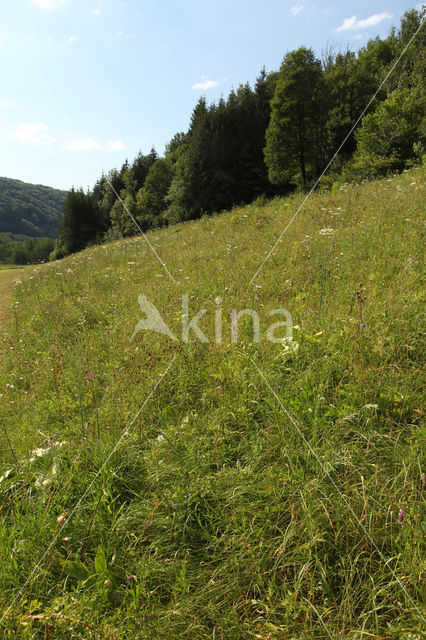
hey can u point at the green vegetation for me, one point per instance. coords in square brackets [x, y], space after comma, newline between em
[19, 249]
[8, 276]
[30, 209]
[30, 215]
[271, 139]
[199, 505]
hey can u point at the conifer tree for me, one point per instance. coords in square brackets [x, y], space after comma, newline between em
[291, 132]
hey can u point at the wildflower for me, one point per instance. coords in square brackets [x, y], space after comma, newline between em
[326, 232]
[90, 376]
[290, 345]
[401, 517]
[363, 324]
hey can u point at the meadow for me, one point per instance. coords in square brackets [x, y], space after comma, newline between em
[8, 276]
[161, 489]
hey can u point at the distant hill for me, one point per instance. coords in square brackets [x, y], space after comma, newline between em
[30, 209]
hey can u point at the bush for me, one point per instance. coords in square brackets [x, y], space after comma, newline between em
[387, 137]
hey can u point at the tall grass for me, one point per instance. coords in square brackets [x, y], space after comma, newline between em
[261, 492]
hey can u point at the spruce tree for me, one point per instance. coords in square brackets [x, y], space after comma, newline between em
[290, 137]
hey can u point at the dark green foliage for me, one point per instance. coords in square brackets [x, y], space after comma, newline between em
[189, 192]
[140, 167]
[291, 138]
[30, 209]
[150, 201]
[410, 71]
[221, 161]
[349, 87]
[81, 222]
[388, 137]
[18, 249]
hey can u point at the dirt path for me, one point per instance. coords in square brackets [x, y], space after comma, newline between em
[8, 277]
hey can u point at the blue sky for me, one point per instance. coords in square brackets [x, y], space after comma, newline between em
[86, 84]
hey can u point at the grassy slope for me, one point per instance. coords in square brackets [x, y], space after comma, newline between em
[8, 277]
[214, 517]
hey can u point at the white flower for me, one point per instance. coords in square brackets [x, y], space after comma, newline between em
[326, 232]
[6, 475]
[290, 345]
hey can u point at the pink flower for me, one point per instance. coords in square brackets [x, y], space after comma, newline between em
[90, 376]
[401, 517]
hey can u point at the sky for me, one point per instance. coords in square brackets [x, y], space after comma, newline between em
[86, 84]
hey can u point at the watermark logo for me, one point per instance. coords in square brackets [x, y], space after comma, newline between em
[193, 329]
[153, 320]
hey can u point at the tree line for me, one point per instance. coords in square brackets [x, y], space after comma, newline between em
[20, 249]
[270, 139]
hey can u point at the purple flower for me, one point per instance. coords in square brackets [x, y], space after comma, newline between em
[90, 376]
[401, 517]
[363, 324]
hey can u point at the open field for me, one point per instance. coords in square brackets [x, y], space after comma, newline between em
[161, 489]
[8, 277]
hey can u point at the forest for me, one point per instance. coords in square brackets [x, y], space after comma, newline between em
[33, 210]
[30, 216]
[269, 140]
[21, 249]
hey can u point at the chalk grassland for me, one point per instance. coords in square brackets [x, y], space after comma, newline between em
[225, 511]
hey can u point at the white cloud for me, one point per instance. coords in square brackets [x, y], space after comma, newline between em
[297, 8]
[353, 24]
[204, 86]
[97, 11]
[72, 39]
[121, 34]
[116, 145]
[82, 144]
[33, 133]
[49, 4]
[89, 144]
